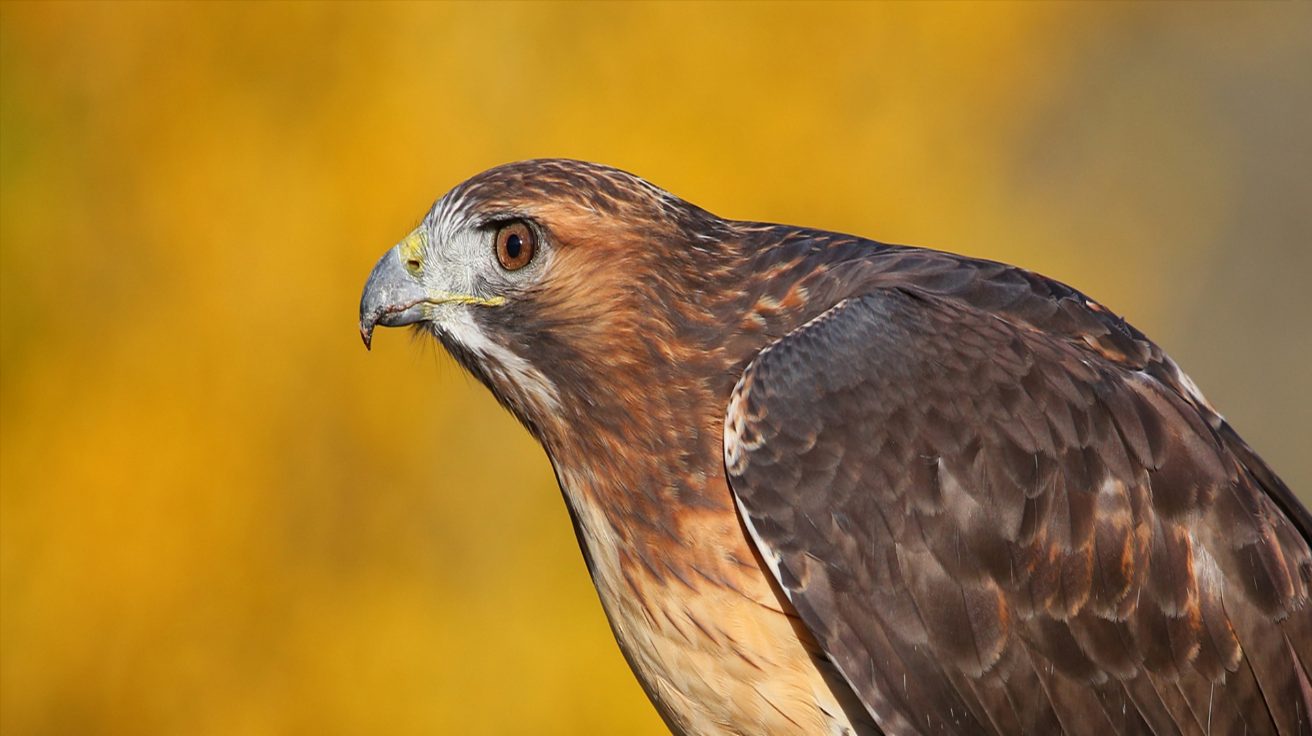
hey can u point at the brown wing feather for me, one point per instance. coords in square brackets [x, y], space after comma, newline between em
[992, 527]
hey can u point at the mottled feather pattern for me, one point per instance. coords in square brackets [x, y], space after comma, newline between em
[1036, 508]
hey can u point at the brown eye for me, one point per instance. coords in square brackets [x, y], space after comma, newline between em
[516, 245]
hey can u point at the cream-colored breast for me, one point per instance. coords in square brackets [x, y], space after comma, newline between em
[708, 639]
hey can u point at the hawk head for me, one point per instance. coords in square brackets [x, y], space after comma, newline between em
[567, 288]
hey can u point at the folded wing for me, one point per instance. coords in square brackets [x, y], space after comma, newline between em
[991, 528]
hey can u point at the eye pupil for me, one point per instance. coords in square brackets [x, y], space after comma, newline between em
[513, 246]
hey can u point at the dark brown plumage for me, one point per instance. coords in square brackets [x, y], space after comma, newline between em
[972, 500]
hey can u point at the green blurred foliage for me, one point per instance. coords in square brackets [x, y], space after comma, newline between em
[221, 515]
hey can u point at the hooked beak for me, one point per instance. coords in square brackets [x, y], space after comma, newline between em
[395, 295]
[392, 296]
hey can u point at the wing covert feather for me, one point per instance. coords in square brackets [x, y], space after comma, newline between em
[992, 528]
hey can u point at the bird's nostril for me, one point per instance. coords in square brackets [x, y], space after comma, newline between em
[412, 264]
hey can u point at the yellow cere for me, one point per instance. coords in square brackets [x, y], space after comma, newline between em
[412, 248]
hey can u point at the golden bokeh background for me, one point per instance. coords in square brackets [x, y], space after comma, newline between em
[222, 516]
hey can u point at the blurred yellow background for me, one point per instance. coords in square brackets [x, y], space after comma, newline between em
[221, 515]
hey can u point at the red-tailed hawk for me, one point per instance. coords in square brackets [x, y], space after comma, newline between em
[830, 486]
